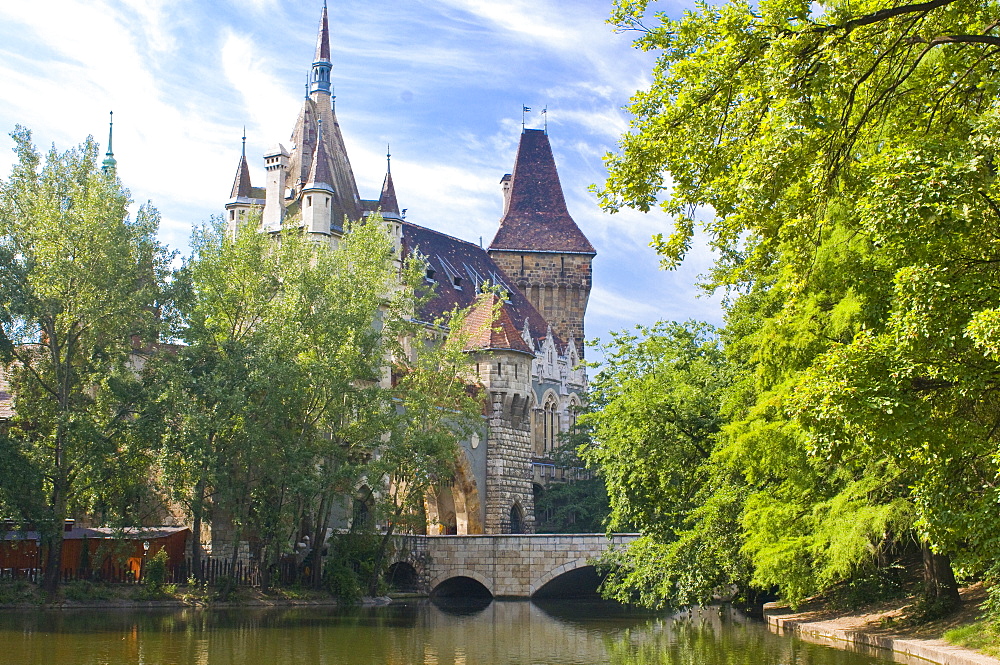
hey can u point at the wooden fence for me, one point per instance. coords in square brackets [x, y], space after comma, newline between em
[213, 570]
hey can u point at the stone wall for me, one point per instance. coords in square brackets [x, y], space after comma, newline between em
[558, 285]
[509, 566]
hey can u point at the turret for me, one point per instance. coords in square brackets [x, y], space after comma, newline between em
[241, 200]
[317, 193]
[503, 364]
[276, 165]
[389, 207]
[319, 82]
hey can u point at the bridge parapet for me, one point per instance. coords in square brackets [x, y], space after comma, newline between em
[513, 566]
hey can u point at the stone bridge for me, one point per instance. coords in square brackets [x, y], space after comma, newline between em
[505, 566]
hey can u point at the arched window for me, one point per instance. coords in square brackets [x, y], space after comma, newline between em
[550, 424]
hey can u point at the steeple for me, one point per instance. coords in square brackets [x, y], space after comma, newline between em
[241, 185]
[539, 245]
[110, 163]
[387, 201]
[321, 61]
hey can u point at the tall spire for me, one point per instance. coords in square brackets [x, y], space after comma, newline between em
[321, 61]
[241, 184]
[387, 202]
[110, 163]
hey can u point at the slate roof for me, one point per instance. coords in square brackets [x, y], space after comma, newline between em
[323, 39]
[241, 185]
[459, 269]
[536, 219]
[387, 201]
[319, 172]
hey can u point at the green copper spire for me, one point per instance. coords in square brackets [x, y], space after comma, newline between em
[110, 163]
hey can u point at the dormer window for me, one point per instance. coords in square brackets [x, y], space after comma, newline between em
[430, 274]
[457, 281]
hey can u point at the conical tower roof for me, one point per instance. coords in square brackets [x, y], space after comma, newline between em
[537, 219]
[337, 170]
[320, 173]
[493, 333]
[387, 201]
[241, 185]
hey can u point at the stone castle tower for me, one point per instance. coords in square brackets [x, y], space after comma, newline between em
[539, 245]
[528, 359]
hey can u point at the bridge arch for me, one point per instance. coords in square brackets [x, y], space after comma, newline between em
[558, 571]
[436, 583]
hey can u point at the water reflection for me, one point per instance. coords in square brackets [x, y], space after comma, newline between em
[438, 633]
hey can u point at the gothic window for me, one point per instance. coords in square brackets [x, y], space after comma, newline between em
[550, 424]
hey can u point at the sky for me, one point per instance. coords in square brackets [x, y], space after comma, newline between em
[442, 82]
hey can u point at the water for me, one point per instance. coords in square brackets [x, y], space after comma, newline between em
[555, 632]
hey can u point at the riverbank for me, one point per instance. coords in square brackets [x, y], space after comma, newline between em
[883, 627]
[80, 595]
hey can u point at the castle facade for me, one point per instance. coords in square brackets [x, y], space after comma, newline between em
[528, 360]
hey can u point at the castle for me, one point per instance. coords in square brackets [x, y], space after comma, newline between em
[528, 359]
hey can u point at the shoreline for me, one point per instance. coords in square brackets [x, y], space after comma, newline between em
[854, 633]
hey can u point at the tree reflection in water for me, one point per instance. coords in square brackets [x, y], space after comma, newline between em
[443, 633]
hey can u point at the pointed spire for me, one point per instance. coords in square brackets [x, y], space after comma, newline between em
[321, 61]
[110, 163]
[319, 172]
[388, 159]
[241, 184]
[535, 217]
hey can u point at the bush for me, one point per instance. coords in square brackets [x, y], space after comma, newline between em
[155, 574]
[86, 590]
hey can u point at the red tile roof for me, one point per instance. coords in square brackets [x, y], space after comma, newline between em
[537, 219]
[489, 331]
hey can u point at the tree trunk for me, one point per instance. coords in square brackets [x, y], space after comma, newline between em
[198, 507]
[52, 537]
[939, 579]
[383, 547]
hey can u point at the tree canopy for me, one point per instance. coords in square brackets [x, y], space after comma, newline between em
[841, 159]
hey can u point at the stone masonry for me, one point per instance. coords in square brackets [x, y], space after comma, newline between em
[558, 285]
[509, 566]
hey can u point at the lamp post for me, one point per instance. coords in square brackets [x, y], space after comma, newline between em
[142, 564]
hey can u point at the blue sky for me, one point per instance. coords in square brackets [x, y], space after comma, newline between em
[442, 81]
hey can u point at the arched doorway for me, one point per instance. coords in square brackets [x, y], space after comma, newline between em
[516, 519]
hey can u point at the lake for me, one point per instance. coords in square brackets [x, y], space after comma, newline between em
[483, 633]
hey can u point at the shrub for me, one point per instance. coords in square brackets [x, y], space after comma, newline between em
[155, 574]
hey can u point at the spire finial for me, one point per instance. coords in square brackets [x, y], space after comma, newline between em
[110, 163]
[545, 118]
[244, 140]
[321, 66]
[388, 161]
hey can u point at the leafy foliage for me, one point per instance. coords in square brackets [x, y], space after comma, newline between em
[844, 160]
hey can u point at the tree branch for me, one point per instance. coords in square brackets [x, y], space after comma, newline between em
[882, 15]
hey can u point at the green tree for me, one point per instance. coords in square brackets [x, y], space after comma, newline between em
[81, 288]
[846, 157]
[655, 420]
[277, 399]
